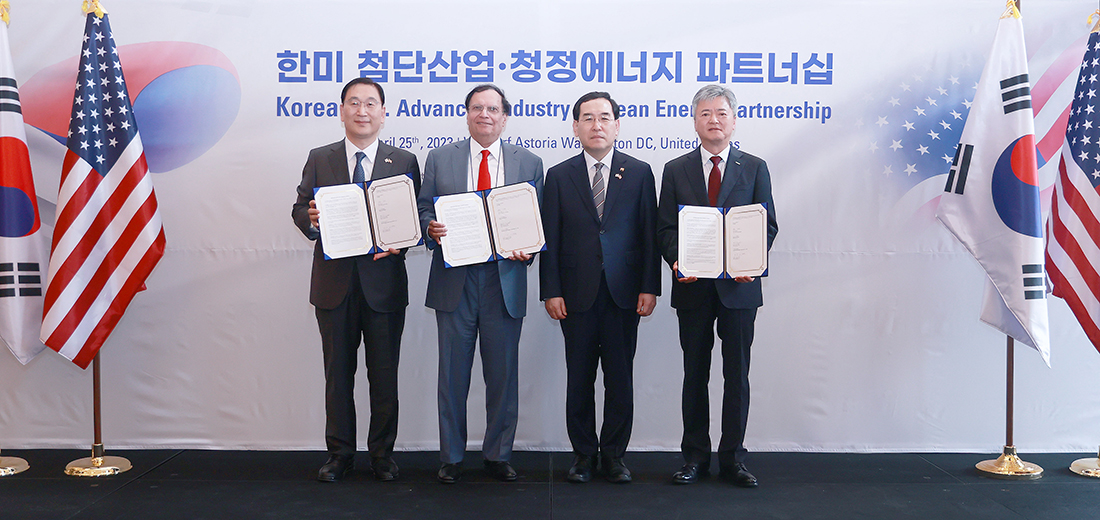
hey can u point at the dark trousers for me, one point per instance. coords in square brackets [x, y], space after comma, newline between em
[342, 329]
[735, 329]
[605, 335]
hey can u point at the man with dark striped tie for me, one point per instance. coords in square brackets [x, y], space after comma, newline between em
[599, 275]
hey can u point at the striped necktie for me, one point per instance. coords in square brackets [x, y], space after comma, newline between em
[598, 190]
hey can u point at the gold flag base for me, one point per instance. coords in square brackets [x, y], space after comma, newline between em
[12, 465]
[97, 465]
[1009, 466]
[1086, 467]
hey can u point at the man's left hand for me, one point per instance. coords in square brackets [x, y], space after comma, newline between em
[646, 303]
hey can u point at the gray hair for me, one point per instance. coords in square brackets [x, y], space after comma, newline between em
[710, 92]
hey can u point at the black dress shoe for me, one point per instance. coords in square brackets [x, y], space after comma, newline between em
[689, 473]
[501, 470]
[581, 471]
[617, 472]
[384, 468]
[739, 476]
[448, 473]
[336, 467]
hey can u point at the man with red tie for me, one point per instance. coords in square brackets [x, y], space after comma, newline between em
[481, 304]
[599, 275]
[715, 174]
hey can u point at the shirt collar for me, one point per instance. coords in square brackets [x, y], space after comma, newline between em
[606, 161]
[371, 151]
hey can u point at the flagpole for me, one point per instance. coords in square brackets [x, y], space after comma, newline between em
[98, 465]
[1008, 465]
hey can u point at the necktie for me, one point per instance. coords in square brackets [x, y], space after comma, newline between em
[598, 191]
[714, 182]
[359, 176]
[483, 172]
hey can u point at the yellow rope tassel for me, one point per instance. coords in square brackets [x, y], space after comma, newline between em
[5, 8]
[1095, 28]
[1011, 10]
[93, 6]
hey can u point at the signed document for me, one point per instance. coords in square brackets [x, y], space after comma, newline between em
[360, 219]
[391, 204]
[515, 219]
[467, 241]
[746, 240]
[484, 226]
[722, 242]
[700, 251]
[345, 230]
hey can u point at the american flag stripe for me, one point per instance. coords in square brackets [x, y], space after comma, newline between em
[108, 235]
[92, 209]
[94, 249]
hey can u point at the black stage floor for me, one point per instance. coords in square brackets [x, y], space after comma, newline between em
[196, 484]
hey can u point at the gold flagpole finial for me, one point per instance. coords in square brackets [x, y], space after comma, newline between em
[1095, 28]
[5, 8]
[93, 6]
[1011, 10]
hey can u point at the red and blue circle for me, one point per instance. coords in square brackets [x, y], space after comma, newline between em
[185, 97]
[1015, 187]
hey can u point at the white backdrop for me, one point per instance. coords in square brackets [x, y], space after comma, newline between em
[869, 339]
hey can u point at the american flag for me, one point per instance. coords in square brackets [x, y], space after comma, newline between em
[108, 235]
[1073, 251]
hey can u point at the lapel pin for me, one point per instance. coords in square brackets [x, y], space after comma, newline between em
[619, 176]
[734, 162]
[389, 161]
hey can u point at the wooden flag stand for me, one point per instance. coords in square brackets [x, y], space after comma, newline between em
[1008, 465]
[12, 465]
[97, 465]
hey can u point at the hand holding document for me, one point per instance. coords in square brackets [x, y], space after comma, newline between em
[484, 226]
[360, 219]
[722, 242]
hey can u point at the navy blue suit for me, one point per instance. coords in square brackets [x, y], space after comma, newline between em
[698, 305]
[600, 267]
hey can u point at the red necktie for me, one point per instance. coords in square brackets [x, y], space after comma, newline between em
[714, 182]
[483, 172]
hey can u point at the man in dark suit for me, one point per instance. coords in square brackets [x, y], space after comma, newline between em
[357, 297]
[599, 274]
[482, 301]
[715, 174]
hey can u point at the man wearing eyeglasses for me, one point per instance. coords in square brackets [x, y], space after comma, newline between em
[599, 275]
[357, 297]
[481, 303]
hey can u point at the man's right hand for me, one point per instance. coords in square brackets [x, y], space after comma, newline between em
[555, 307]
[436, 230]
[314, 214]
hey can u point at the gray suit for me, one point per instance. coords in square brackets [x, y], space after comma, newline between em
[486, 300]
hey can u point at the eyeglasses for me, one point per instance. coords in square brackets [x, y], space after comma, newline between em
[603, 118]
[370, 103]
[493, 110]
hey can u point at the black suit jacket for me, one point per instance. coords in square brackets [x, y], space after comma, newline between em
[745, 181]
[579, 246]
[384, 282]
